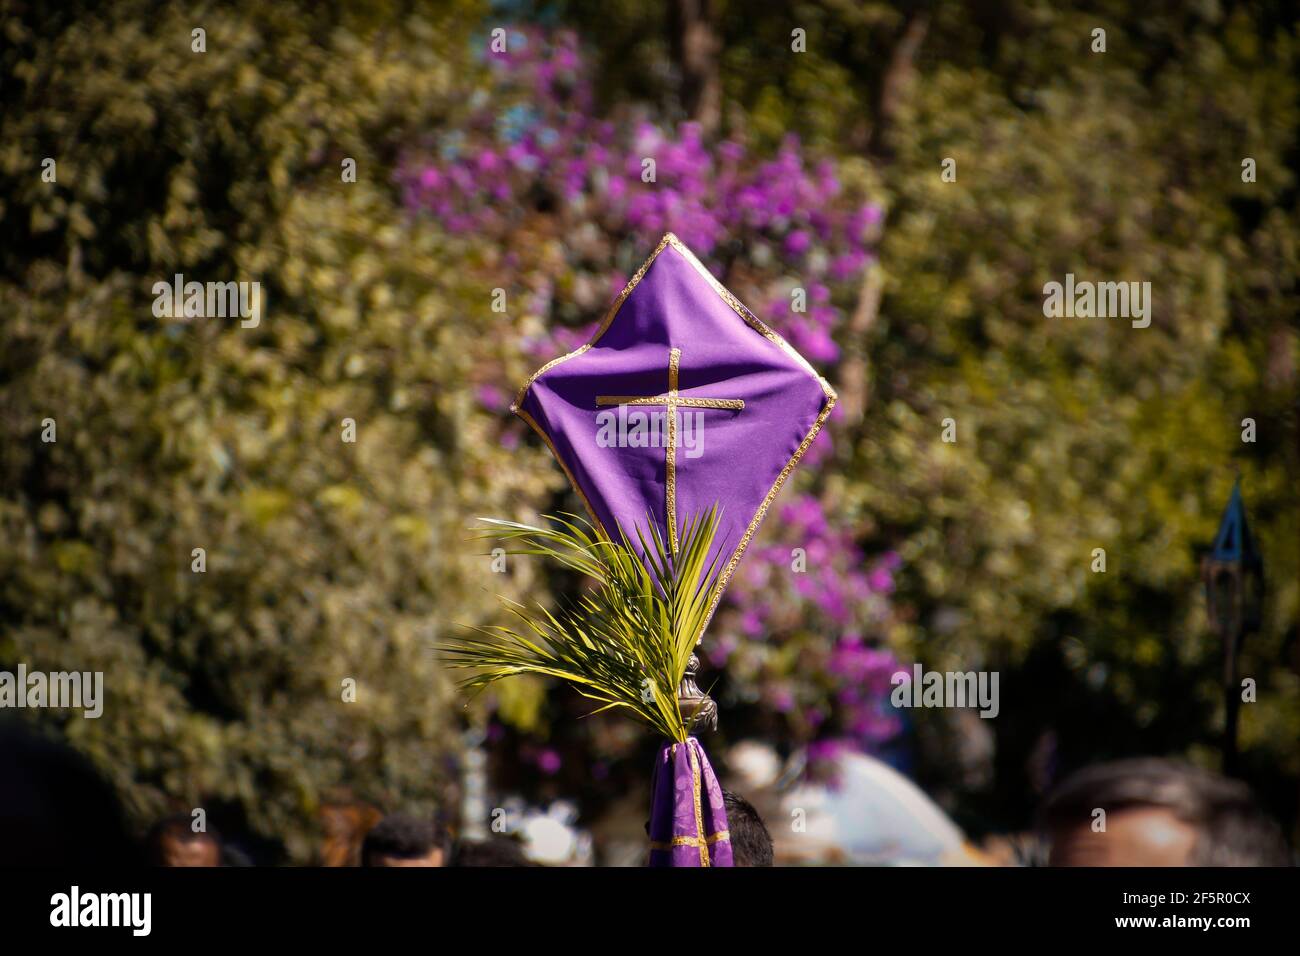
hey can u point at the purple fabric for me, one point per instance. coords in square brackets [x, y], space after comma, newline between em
[688, 820]
[758, 407]
[722, 356]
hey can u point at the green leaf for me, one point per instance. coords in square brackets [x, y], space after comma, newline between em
[626, 641]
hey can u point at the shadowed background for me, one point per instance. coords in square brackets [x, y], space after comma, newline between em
[521, 169]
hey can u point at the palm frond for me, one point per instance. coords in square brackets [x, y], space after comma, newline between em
[626, 640]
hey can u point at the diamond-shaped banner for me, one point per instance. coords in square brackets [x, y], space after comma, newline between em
[682, 399]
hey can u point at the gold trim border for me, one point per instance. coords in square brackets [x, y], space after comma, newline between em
[753, 322]
[696, 787]
[690, 840]
[670, 454]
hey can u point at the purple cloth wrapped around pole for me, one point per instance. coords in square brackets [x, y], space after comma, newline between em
[688, 820]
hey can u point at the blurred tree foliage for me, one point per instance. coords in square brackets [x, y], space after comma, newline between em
[1077, 434]
[1073, 434]
[328, 560]
[325, 560]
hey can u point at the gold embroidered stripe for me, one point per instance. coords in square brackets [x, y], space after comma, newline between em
[699, 816]
[672, 401]
[670, 457]
[680, 401]
[690, 840]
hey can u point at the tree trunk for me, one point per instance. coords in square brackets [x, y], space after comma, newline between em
[897, 78]
[854, 373]
[695, 47]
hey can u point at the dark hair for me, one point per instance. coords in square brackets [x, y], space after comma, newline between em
[1231, 828]
[497, 851]
[178, 827]
[751, 844]
[56, 809]
[402, 837]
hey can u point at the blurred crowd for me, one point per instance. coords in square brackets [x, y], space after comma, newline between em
[57, 810]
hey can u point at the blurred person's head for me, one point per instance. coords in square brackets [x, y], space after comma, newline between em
[751, 844]
[173, 841]
[497, 851]
[400, 840]
[55, 808]
[1158, 813]
[345, 823]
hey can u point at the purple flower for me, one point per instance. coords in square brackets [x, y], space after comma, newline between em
[797, 243]
[491, 397]
[825, 751]
[548, 762]
[782, 700]
[881, 580]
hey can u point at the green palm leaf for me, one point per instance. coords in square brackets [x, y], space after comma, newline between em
[625, 641]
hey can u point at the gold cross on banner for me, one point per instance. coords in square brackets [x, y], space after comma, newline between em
[672, 401]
